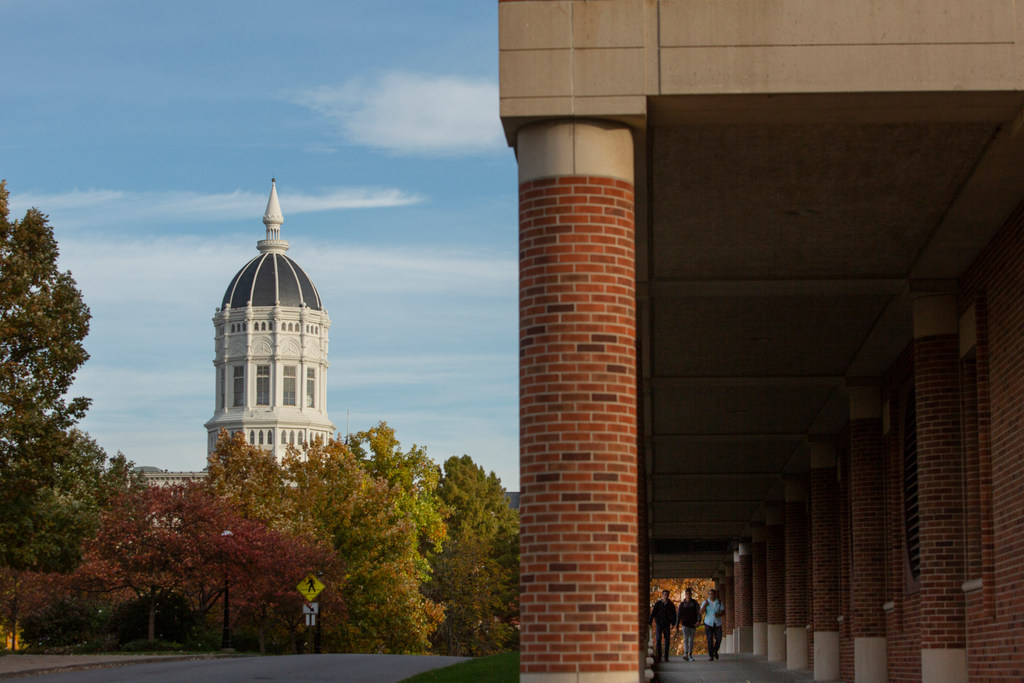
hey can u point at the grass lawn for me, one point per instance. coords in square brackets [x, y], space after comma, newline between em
[503, 668]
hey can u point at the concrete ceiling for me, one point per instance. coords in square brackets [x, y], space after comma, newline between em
[779, 240]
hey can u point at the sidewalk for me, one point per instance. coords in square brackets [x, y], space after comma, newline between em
[728, 669]
[13, 665]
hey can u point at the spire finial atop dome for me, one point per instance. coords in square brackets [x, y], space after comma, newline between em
[273, 219]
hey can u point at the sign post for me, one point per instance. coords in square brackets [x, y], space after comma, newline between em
[310, 587]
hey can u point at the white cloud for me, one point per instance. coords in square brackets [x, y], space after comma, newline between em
[408, 113]
[80, 208]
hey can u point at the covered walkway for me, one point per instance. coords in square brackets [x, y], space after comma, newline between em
[729, 669]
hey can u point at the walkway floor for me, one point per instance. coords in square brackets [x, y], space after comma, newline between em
[728, 669]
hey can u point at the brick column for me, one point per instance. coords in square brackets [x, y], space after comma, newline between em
[577, 404]
[824, 493]
[760, 590]
[775, 573]
[940, 500]
[867, 539]
[729, 622]
[796, 573]
[743, 578]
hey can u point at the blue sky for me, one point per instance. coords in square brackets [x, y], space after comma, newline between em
[149, 131]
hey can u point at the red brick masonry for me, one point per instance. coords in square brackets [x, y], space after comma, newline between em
[578, 417]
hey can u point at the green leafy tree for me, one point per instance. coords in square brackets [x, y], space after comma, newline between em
[374, 503]
[412, 477]
[47, 505]
[475, 576]
[368, 507]
[252, 479]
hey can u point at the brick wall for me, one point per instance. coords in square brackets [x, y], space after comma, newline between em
[902, 622]
[578, 438]
[994, 285]
[845, 560]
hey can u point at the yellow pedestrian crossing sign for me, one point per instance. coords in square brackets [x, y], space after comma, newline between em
[310, 587]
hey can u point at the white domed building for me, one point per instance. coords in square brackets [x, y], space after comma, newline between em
[271, 350]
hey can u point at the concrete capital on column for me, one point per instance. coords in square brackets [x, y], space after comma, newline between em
[865, 398]
[743, 549]
[935, 314]
[735, 556]
[796, 489]
[569, 147]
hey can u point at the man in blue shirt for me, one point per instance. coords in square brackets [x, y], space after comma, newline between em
[713, 610]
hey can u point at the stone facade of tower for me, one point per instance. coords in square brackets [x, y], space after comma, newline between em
[271, 345]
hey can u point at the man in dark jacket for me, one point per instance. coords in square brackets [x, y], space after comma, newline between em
[689, 614]
[663, 616]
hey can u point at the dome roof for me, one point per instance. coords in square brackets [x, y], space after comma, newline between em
[271, 279]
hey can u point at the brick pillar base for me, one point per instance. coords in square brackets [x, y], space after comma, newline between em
[940, 486]
[577, 405]
[744, 580]
[867, 511]
[824, 494]
[760, 591]
[796, 574]
[775, 564]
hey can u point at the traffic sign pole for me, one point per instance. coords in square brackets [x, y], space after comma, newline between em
[310, 587]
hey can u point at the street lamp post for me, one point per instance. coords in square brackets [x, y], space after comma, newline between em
[225, 639]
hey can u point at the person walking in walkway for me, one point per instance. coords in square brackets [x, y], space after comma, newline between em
[663, 616]
[712, 610]
[687, 618]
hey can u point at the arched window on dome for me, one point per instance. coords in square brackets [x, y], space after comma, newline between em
[261, 437]
[291, 439]
[284, 437]
[301, 438]
[252, 438]
[271, 326]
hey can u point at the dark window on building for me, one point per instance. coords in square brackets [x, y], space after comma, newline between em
[289, 385]
[238, 379]
[263, 385]
[911, 515]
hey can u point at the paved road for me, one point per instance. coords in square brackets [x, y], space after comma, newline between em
[284, 669]
[728, 669]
